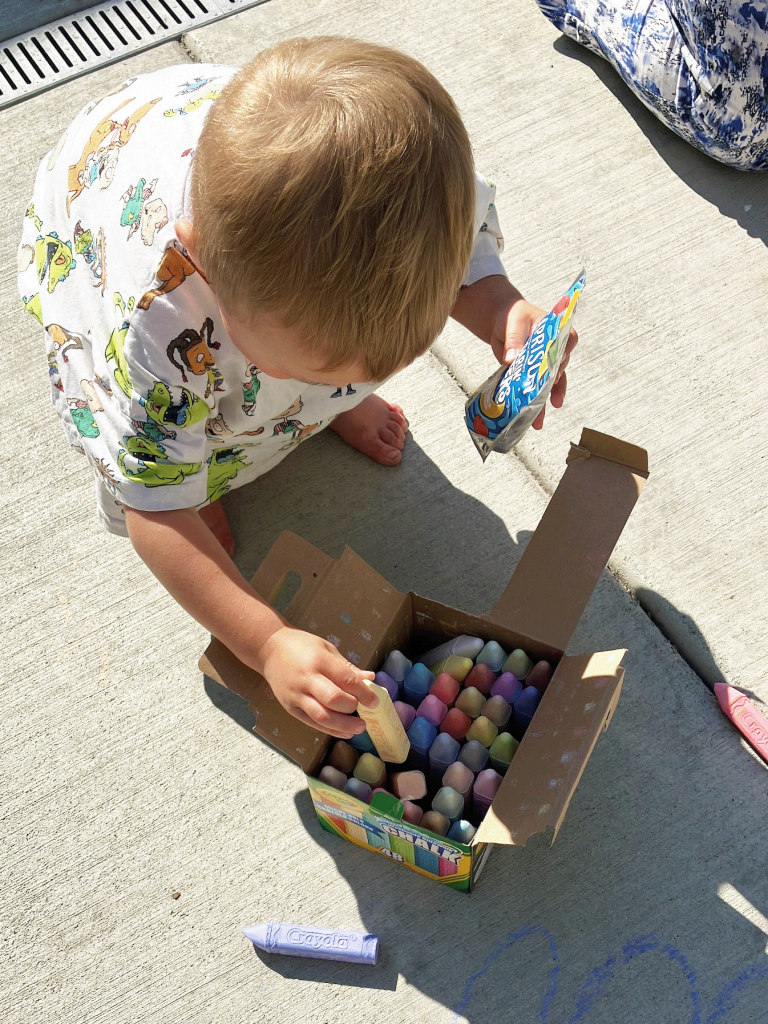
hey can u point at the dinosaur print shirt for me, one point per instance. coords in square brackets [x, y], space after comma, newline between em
[143, 375]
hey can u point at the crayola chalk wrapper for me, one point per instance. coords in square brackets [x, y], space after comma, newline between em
[502, 409]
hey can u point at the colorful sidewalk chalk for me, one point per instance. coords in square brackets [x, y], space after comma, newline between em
[462, 831]
[409, 785]
[497, 710]
[443, 752]
[470, 701]
[448, 802]
[384, 726]
[484, 790]
[358, 789]
[524, 709]
[482, 677]
[433, 709]
[397, 666]
[492, 655]
[483, 731]
[507, 686]
[405, 712]
[455, 666]
[474, 755]
[464, 646]
[422, 735]
[319, 943]
[502, 751]
[518, 663]
[416, 684]
[390, 685]
[371, 769]
[742, 712]
[343, 757]
[539, 676]
[459, 777]
[456, 724]
[445, 688]
[435, 822]
[363, 742]
[333, 777]
[412, 813]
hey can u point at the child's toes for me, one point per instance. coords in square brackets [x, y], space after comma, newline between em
[391, 437]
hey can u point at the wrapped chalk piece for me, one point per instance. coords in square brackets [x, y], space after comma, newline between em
[448, 802]
[319, 943]
[390, 685]
[518, 663]
[409, 785]
[464, 646]
[470, 701]
[443, 752]
[358, 789]
[412, 813]
[455, 666]
[497, 710]
[507, 686]
[482, 730]
[484, 790]
[474, 755]
[482, 678]
[445, 688]
[432, 709]
[492, 655]
[539, 676]
[343, 757]
[362, 742]
[502, 751]
[460, 778]
[371, 769]
[462, 831]
[524, 709]
[397, 666]
[333, 777]
[384, 726]
[422, 735]
[416, 684]
[435, 822]
[504, 406]
[456, 724]
[405, 712]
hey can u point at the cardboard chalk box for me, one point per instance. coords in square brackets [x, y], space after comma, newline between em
[365, 617]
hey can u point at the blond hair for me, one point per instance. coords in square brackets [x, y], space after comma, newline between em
[333, 185]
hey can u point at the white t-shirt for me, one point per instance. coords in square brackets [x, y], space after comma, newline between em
[143, 375]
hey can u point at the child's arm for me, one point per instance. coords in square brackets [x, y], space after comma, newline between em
[308, 675]
[495, 311]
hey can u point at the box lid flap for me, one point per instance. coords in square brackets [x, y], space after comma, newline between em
[534, 796]
[574, 539]
[344, 600]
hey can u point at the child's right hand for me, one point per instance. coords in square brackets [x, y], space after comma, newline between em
[313, 682]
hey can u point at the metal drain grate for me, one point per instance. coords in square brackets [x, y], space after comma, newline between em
[101, 35]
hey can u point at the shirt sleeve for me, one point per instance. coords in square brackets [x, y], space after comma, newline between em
[489, 241]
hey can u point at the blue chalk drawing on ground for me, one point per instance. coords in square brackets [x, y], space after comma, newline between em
[599, 979]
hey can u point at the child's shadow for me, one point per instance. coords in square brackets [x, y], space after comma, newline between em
[740, 195]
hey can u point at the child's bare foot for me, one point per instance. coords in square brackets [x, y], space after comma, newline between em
[215, 518]
[374, 427]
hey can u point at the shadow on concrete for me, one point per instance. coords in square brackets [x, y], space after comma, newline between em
[740, 195]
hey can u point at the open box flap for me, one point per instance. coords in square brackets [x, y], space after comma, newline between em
[534, 796]
[574, 539]
[344, 601]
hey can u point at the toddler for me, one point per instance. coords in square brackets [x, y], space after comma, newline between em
[224, 263]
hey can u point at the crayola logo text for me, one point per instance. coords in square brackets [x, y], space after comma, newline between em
[316, 940]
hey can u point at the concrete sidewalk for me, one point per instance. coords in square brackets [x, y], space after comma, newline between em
[129, 778]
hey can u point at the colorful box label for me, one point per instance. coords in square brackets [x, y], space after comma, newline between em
[424, 852]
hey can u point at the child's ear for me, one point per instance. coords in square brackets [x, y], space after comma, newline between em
[185, 233]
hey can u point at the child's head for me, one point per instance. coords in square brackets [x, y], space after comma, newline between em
[333, 198]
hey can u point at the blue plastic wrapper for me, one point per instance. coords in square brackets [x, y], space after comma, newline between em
[502, 409]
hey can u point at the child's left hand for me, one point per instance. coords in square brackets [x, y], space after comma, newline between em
[511, 329]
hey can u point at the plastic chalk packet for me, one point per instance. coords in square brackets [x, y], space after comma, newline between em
[501, 410]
